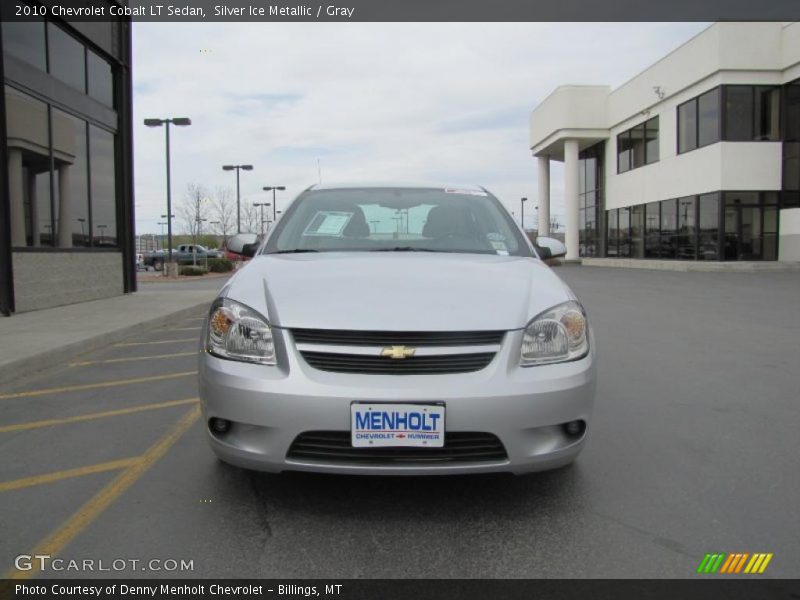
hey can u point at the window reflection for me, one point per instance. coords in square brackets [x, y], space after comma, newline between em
[101, 83]
[708, 223]
[103, 188]
[24, 39]
[687, 231]
[66, 57]
[72, 189]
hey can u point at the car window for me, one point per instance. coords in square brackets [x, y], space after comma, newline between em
[375, 219]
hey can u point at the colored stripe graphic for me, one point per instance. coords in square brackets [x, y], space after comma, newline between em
[734, 563]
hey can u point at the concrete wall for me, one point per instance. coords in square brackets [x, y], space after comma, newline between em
[47, 279]
[789, 235]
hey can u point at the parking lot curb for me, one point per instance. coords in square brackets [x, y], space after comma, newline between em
[30, 365]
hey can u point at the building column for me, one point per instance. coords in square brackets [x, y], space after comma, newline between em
[16, 194]
[571, 198]
[543, 163]
[64, 208]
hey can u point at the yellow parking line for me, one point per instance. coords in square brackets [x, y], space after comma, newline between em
[92, 386]
[92, 416]
[68, 474]
[86, 514]
[107, 361]
[128, 344]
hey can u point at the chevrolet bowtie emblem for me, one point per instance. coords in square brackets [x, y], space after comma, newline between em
[397, 352]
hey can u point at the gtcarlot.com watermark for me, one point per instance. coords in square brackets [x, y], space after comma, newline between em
[45, 563]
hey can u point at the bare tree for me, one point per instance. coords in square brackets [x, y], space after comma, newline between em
[223, 212]
[250, 217]
[193, 210]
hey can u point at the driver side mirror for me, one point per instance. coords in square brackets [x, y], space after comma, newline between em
[548, 247]
[245, 244]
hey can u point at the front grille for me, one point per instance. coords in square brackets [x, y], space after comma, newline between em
[335, 446]
[414, 365]
[343, 337]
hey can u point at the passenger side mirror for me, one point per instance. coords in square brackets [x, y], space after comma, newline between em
[245, 244]
[548, 247]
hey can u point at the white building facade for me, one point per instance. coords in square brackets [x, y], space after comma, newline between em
[696, 158]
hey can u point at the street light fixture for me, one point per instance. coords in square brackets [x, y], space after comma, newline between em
[261, 206]
[522, 202]
[274, 202]
[179, 122]
[238, 199]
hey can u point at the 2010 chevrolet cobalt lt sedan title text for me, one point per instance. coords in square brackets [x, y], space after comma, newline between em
[397, 330]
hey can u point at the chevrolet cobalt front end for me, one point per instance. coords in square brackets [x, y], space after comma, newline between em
[397, 330]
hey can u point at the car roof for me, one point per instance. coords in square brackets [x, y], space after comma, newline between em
[395, 185]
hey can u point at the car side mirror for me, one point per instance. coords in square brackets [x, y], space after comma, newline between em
[550, 247]
[245, 244]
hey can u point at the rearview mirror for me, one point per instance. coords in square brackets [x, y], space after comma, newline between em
[245, 244]
[550, 247]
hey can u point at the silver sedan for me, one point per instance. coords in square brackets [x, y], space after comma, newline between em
[400, 330]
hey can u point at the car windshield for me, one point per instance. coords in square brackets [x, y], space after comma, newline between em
[397, 220]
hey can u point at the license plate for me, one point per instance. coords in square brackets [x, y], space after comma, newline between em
[414, 425]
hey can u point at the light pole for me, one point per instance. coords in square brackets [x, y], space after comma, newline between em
[162, 223]
[238, 168]
[83, 232]
[522, 202]
[274, 200]
[180, 122]
[261, 206]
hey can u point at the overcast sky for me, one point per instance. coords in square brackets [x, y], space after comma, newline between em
[440, 102]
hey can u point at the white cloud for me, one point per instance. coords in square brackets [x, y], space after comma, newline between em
[442, 102]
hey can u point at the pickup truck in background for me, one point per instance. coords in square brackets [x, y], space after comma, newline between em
[184, 254]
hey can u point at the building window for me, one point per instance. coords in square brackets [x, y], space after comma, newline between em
[687, 230]
[638, 146]
[699, 121]
[612, 235]
[103, 187]
[669, 229]
[652, 220]
[71, 164]
[624, 232]
[750, 226]
[752, 113]
[708, 227]
[66, 57]
[24, 39]
[100, 78]
[590, 169]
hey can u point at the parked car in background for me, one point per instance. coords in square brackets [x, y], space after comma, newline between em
[184, 254]
[140, 262]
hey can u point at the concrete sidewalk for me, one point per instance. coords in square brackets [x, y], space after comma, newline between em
[30, 342]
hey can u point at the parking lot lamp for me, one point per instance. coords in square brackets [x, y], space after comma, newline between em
[261, 206]
[522, 202]
[180, 122]
[274, 200]
[238, 168]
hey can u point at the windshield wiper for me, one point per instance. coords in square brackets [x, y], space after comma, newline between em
[407, 249]
[293, 251]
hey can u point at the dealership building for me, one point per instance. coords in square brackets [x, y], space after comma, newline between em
[695, 158]
[66, 167]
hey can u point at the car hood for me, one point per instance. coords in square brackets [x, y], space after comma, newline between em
[397, 291]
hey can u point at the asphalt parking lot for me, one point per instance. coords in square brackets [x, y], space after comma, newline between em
[694, 449]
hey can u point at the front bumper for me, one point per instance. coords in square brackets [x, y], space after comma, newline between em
[269, 406]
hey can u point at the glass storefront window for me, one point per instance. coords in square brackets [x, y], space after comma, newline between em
[652, 222]
[612, 249]
[669, 229]
[103, 186]
[624, 228]
[100, 79]
[637, 231]
[708, 224]
[27, 125]
[738, 113]
[24, 39]
[71, 177]
[687, 231]
[66, 57]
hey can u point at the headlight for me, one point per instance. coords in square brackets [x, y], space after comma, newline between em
[237, 332]
[559, 334]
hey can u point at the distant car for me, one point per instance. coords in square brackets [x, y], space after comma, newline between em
[184, 254]
[397, 331]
